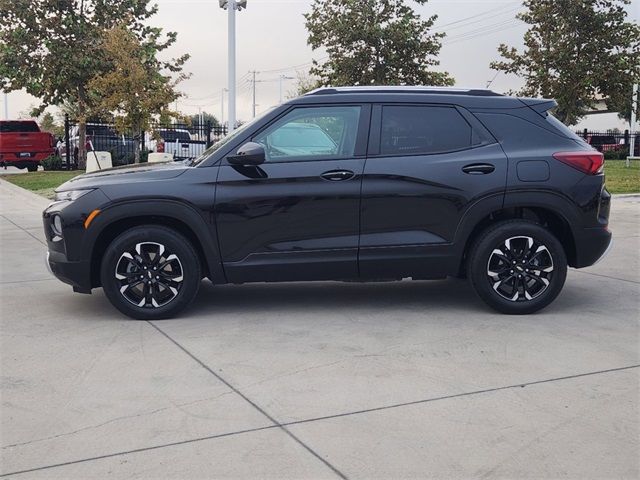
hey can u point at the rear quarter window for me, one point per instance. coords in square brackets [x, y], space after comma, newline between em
[563, 129]
[416, 129]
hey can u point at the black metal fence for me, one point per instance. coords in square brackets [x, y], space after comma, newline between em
[183, 141]
[613, 143]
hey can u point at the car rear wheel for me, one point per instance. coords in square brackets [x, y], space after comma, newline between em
[32, 168]
[517, 267]
[150, 272]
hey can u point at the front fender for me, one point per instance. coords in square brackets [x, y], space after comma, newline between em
[174, 210]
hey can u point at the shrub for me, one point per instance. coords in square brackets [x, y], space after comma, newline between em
[52, 162]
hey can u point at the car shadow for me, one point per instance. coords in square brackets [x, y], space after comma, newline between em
[453, 297]
[333, 296]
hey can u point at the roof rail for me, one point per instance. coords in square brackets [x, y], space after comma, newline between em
[477, 92]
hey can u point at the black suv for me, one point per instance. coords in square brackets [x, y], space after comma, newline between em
[346, 183]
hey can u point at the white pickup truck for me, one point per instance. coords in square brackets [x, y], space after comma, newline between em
[178, 142]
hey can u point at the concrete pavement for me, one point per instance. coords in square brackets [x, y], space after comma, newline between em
[324, 380]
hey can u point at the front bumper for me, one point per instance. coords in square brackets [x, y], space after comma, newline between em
[69, 252]
[75, 274]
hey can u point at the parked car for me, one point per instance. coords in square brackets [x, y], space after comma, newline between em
[604, 143]
[396, 183]
[101, 138]
[178, 142]
[23, 144]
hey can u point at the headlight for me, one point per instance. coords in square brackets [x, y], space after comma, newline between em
[70, 195]
[56, 225]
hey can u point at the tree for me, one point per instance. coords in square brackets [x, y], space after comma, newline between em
[374, 42]
[304, 84]
[137, 87]
[206, 117]
[576, 51]
[48, 123]
[51, 48]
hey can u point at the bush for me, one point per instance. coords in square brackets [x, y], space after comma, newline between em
[52, 162]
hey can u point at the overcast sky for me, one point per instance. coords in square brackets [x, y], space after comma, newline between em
[271, 39]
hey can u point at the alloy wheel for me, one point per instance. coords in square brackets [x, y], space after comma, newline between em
[520, 269]
[149, 275]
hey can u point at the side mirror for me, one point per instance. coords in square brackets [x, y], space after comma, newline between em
[250, 153]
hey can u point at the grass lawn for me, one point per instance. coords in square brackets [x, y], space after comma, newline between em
[42, 183]
[621, 179]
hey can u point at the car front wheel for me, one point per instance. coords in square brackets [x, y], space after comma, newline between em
[150, 272]
[517, 267]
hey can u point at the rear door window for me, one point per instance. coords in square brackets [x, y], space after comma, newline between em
[423, 129]
[173, 135]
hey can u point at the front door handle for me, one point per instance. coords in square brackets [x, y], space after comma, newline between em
[478, 168]
[337, 175]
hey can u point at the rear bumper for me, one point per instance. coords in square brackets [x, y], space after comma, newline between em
[592, 244]
[13, 158]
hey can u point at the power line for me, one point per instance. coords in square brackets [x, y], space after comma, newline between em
[517, 7]
[483, 31]
[475, 16]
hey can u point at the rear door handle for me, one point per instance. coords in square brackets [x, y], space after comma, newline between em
[478, 168]
[337, 175]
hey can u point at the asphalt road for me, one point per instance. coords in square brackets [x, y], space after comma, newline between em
[325, 380]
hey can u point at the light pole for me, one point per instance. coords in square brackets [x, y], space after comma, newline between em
[6, 106]
[281, 78]
[231, 7]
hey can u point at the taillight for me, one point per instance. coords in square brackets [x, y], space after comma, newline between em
[160, 148]
[589, 162]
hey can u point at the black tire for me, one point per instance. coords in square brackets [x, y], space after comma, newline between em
[159, 267]
[519, 288]
[32, 168]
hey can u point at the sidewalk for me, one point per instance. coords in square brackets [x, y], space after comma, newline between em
[318, 380]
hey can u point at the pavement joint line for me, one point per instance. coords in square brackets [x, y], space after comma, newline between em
[251, 402]
[314, 419]
[23, 229]
[29, 281]
[606, 276]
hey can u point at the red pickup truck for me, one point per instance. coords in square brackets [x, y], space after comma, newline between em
[23, 145]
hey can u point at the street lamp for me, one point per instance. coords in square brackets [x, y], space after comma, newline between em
[281, 78]
[231, 6]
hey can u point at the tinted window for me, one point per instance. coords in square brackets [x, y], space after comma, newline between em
[101, 131]
[410, 130]
[602, 140]
[13, 127]
[173, 135]
[312, 132]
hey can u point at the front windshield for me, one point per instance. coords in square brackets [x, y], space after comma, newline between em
[223, 141]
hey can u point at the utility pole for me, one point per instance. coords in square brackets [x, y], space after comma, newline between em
[281, 78]
[253, 102]
[232, 6]
[6, 106]
[634, 109]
